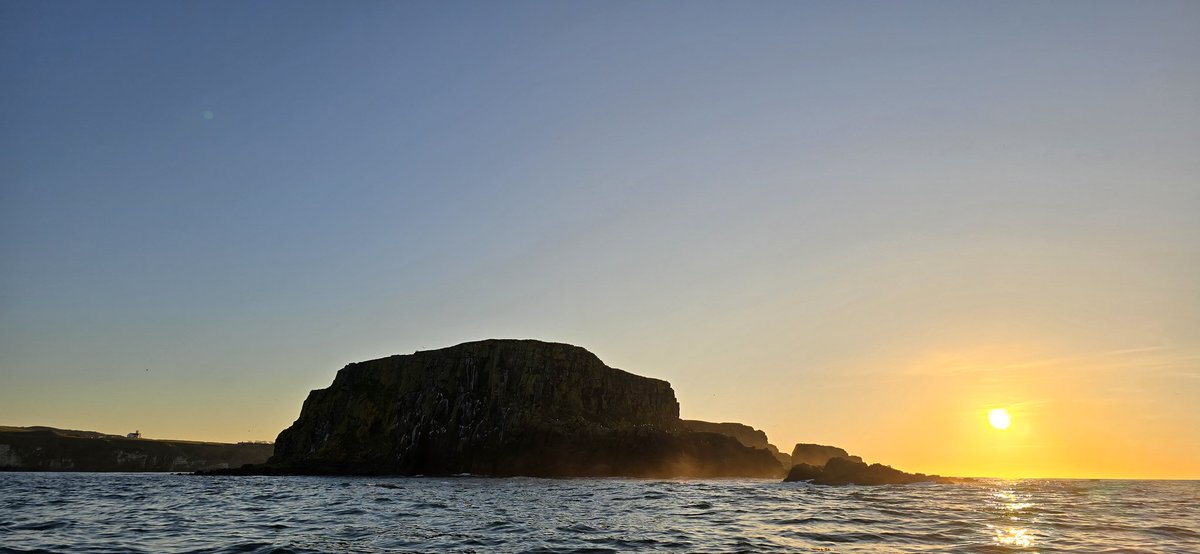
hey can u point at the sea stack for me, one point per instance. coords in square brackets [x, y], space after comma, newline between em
[504, 407]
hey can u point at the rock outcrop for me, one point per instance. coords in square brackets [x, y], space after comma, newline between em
[744, 434]
[845, 471]
[503, 407]
[818, 454]
[49, 449]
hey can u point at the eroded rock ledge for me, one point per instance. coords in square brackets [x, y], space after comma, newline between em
[744, 434]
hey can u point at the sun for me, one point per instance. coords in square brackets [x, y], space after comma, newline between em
[999, 418]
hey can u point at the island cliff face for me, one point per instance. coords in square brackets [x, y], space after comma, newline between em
[503, 407]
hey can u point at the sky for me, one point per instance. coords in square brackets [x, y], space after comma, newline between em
[855, 223]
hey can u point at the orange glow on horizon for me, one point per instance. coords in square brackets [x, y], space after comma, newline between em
[1044, 416]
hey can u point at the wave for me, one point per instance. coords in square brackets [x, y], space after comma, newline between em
[167, 513]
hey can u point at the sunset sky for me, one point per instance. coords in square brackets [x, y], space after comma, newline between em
[852, 223]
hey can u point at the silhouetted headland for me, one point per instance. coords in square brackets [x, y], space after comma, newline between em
[50, 449]
[503, 407]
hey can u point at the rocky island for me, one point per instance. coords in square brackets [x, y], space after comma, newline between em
[830, 465]
[504, 407]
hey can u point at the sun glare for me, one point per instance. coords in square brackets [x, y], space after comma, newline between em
[999, 418]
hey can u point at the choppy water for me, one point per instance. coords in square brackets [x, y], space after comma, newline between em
[78, 512]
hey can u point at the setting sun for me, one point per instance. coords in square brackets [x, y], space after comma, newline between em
[999, 418]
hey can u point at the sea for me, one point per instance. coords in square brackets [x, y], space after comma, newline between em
[160, 513]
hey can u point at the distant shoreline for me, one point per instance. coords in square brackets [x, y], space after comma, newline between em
[62, 450]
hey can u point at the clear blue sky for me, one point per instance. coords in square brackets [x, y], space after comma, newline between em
[785, 208]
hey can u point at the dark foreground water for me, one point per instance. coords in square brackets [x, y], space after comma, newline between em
[80, 512]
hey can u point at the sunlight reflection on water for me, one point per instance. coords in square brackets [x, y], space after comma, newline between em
[1014, 506]
[1014, 537]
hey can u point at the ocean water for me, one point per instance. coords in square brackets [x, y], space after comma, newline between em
[81, 512]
